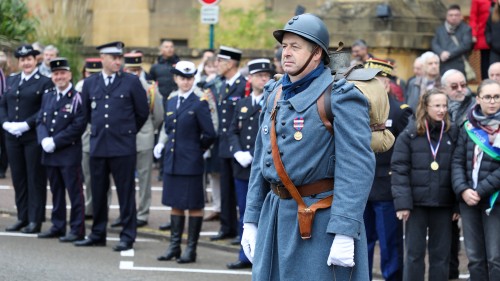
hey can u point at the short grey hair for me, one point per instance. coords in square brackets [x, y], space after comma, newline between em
[360, 43]
[427, 55]
[449, 73]
[51, 48]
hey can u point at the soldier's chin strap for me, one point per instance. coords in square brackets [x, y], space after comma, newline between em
[307, 62]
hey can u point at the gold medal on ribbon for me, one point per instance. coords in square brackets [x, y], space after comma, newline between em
[434, 165]
[297, 135]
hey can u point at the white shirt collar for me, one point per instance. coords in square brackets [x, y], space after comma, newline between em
[65, 91]
[27, 77]
[105, 77]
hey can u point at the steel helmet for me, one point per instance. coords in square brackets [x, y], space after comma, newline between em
[309, 27]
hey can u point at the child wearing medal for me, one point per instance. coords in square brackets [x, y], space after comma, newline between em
[421, 186]
[476, 181]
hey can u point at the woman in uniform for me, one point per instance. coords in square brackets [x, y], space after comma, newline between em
[189, 128]
[19, 107]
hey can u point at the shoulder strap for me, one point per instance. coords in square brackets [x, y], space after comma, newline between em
[325, 108]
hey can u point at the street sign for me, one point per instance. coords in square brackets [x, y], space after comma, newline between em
[208, 2]
[210, 14]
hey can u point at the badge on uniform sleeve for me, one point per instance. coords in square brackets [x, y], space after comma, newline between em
[93, 105]
[298, 125]
[244, 109]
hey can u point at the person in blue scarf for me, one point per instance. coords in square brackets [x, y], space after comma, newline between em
[282, 237]
[476, 181]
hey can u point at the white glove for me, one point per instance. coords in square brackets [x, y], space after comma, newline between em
[207, 154]
[238, 156]
[48, 145]
[248, 240]
[247, 159]
[157, 150]
[22, 127]
[11, 128]
[342, 251]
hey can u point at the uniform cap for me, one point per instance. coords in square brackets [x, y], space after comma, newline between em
[184, 68]
[26, 50]
[385, 66]
[229, 53]
[113, 48]
[259, 65]
[59, 64]
[133, 59]
[93, 65]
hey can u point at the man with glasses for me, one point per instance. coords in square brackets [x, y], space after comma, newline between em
[460, 98]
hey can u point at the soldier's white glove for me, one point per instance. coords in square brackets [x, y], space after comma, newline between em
[22, 127]
[248, 239]
[247, 159]
[48, 145]
[342, 251]
[11, 128]
[157, 150]
[239, 158]
[207, 154]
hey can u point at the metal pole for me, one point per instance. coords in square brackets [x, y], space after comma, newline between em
[211, 37]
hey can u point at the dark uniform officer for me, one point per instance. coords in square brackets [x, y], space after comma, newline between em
[242, 134]
[19, 107]
[228, 96]
[60, 125]
[380, 218]
[190, 131]
[117, 107]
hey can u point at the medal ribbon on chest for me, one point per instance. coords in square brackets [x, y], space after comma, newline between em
[434, 150]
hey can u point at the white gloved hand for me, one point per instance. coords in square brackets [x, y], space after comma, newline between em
[22, 127]
[48, 145]
[247, 159]
[11, 127]
[157, 150]
[342, 251]
[207, 154]
[239, 158]
[248, 239]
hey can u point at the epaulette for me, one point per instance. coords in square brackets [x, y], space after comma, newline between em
[403, 106]
[171, 96]
[203, 98]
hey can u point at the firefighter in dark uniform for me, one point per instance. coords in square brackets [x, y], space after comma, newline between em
[60, 125]
[190, 132]
[229, 94]
[19, 107]
[117, 107]
[242, 134]
[380, 218]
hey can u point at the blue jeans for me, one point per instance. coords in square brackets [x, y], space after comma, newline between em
[482, 244]
[382, 224]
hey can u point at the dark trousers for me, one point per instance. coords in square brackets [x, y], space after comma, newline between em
[494, 57]
[228, 217]
[485, 63]
[481, 242]
[382, 224]
[62, 179]
[28, 176]
[436, 222]
[122, 169]
[4, 163]
[455, 249]
[241, 197]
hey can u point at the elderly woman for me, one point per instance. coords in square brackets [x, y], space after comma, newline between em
[189, 128]
[476, 181]
[421, 187]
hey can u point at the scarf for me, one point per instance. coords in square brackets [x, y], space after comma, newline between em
[291, 89]
[489, 123]
[450, 28]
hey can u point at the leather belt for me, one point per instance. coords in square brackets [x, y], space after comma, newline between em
[304, 190]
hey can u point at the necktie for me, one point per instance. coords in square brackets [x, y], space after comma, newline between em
[22, 81]
[59, 96]
[109, 80]
[181, 100]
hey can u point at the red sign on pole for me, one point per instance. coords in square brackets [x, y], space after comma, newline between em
[208, 2]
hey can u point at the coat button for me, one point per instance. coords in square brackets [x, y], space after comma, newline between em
[106, 126]
[283, 123]
[223, 111]
[290, 107]
[172, 150]
[53, 121]
[251, 118]
[269, 151]
[249, 137]
[107, 97]
[175, 120]
[52, 129]
[249, 127]
[106, 106]
[105, 116]
[55, 113]
[224, 102]
[65, 116]
[268, 164]
[173, 131]
[248, 146]
[283, 136]
[173, 140]
[224, 130]
[17, 108]
[223, 120]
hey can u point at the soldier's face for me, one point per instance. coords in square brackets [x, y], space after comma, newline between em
[258, 80]
[223, 66]
[61, 78]
[456, 87]
[184, 83]
[27, 64]
[296, 52]
[111, 63]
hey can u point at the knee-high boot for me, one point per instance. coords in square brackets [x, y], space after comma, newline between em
[174, 249]
[194, 229]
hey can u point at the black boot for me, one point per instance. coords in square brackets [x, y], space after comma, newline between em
[174, 249]
[189, 254]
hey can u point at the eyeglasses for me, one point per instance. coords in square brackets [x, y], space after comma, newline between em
[454, 86]
[488, 98]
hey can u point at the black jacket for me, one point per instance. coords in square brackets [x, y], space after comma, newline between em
[414, 183]
[160, 72]
[398, 119]
[488, 176]
[492, 33]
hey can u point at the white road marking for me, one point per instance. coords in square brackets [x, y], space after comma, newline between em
[6, 187]
[127, 253]
[19, 234]
[129, 265]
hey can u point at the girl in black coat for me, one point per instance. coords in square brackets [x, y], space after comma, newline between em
[476, 180]
[421, 187]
